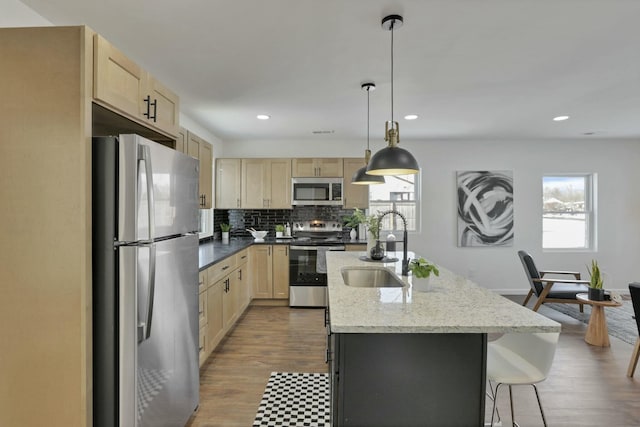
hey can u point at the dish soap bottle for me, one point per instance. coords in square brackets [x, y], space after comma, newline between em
[287, 230]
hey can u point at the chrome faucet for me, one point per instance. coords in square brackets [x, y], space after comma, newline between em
[405, 238]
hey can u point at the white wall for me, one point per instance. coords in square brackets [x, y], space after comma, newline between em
[618, 204]
[17, 14]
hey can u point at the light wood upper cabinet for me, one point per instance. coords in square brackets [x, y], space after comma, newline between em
[228, 172]
[354, 196]
[200, 149]
[310, 167]
[266, 184]
[181, 141]
[122, 85]
[164, 106]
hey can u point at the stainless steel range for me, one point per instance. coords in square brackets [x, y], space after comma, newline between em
[307, 262]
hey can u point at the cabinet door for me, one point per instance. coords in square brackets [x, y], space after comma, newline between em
[117, 81]
[230, 300]
[354, 196]
[261, 271]
[303, 167]
[329, 167]
[164, 109]
[253, 193]
[202, 346]
[281, 271]
[228, 173]
[205, 155]
[215, 324]
[202, 309]
[200, 149]
[181, 141]
[244, 291]
[279, 184]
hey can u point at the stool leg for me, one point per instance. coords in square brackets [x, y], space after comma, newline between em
[513, 419]
[544, 420]
[495, 399]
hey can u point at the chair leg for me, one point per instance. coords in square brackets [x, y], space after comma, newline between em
[634, 359]
[544, 420]
[581, 308]
[526, 300]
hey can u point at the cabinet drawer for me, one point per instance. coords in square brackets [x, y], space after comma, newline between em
[220, 269]
[242, 257]
[202, 309]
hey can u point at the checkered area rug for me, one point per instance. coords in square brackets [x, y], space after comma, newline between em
[294, 399]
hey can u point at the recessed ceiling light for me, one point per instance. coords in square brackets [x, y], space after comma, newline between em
[411, 117]
[263, 117]
[560, 118]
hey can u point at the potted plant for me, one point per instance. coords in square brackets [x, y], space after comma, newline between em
[353, 221]
[279, 230]
[422, 270]
[596, 291]
[224, 227]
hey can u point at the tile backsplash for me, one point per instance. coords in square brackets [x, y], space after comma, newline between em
[266, 219]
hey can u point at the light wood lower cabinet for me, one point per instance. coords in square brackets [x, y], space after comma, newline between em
[270, 271]
[215, 322]
[225, 298]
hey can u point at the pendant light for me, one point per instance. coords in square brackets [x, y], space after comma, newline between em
[392, 160]
[361, 177]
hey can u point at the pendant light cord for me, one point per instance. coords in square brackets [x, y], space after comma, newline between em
[392, 25]
[368, 90]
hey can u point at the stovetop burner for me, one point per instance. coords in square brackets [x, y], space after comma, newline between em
[317, 232]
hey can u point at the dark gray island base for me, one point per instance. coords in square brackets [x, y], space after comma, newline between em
[407, 380]
[402, 358]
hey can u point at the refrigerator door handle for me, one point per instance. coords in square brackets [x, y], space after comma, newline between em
[144, 328]
[144, 155]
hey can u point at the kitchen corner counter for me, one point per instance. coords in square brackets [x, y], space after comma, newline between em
[455, 305]
[212, 251]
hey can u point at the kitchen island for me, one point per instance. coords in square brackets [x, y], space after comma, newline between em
[401, 357]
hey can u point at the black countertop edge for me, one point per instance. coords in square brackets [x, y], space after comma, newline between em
[213, 251]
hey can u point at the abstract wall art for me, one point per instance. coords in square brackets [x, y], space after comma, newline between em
[485, 208]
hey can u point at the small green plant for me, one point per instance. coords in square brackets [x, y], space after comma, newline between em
[596, 278]
[422, 268]
[371, 221]
[225, 227]
[280, 228]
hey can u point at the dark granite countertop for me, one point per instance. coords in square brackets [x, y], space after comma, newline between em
[212, 251]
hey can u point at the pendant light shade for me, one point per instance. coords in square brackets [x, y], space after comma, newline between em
[361, 177]
[392, 160]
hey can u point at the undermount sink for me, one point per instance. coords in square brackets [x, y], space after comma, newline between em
[370, 277]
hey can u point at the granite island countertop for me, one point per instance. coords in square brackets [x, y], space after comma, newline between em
[455, 305]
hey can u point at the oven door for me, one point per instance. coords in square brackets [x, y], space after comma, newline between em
[307, 286]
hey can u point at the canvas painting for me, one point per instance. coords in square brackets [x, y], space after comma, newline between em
[485, 208]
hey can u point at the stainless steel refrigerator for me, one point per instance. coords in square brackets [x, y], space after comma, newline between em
[145, 283]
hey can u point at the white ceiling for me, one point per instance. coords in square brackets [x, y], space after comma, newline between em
[471, 69]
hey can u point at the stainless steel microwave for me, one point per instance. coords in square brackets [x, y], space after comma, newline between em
[316, 191]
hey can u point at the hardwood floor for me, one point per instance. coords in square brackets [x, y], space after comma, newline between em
[587, 385]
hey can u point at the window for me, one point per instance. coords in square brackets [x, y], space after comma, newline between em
[568, 220]
[401, 194]
[205, 228]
